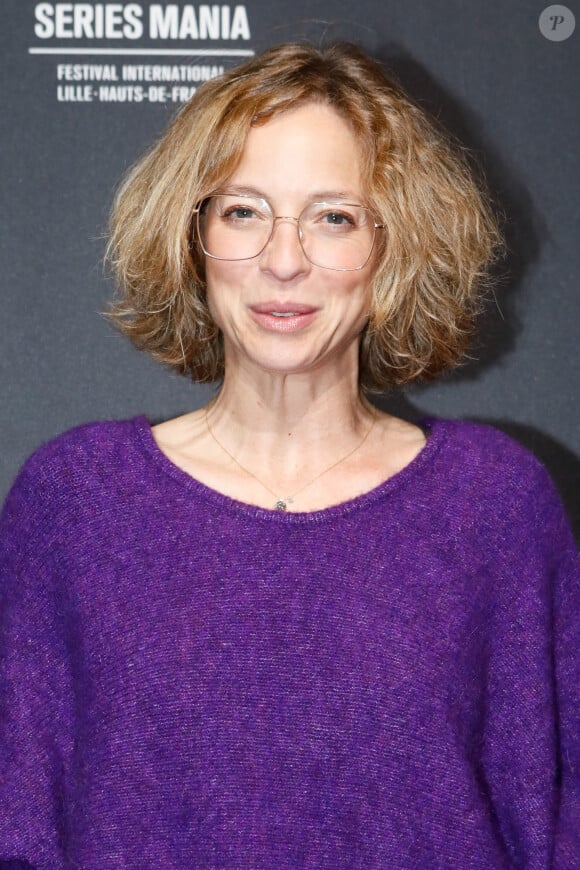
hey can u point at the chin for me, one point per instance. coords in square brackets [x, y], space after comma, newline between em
[290, 363]
[280, 365]
[294, 355]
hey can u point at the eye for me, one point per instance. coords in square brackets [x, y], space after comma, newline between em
[238, 212]
[335, 218]
[338, 219]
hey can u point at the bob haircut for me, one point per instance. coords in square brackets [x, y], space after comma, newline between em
[431, 260]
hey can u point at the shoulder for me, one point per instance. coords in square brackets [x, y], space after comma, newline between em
[481, 450]
[500, 479]
[74, 460]
[87, 438]
[84, 443]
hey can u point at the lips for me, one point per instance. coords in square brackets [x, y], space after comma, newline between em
[283, 317]
[283, 308]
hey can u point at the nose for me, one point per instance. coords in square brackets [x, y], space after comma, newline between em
[283, 255]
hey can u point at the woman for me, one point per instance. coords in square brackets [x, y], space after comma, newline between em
[287, 630]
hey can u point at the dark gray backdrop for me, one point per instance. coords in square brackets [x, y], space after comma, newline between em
[485, 69]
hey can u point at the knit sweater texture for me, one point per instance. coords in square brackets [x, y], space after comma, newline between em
[188, 681]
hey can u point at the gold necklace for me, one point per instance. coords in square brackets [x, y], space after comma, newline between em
[281, 504]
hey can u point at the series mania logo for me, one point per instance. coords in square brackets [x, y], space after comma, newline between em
[131, 21]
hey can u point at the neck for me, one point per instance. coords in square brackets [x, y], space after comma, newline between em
[289, 418]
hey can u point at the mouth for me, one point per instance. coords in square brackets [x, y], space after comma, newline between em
[283, 317]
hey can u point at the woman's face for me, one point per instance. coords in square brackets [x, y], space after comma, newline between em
[278, 311]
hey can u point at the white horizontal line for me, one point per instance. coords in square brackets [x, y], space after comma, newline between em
[174, 52]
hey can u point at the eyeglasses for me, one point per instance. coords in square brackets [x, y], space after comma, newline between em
[333, 235]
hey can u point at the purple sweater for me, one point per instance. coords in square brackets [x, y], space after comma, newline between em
[192, 682]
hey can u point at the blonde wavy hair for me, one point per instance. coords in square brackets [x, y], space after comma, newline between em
[430, 268]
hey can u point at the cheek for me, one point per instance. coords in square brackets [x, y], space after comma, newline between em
[360, 293]
[218, 288]
[217, 304]
[210, 295]
[225, 284]
[364, 304]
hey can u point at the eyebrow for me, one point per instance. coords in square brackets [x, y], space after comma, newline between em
[315, 196]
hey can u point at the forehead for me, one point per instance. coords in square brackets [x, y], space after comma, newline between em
[305, 149]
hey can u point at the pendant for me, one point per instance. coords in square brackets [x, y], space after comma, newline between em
[280, 505]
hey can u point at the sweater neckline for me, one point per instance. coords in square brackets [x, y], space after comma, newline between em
[434, 429]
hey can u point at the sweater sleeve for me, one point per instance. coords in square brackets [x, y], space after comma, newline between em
[567, 675]
[35, 685]
[564, 586]
[533, 745]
